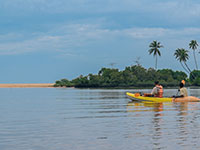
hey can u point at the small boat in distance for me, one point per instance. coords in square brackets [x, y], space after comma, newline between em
[139, 97]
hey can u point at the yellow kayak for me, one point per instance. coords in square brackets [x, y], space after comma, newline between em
[139, 97]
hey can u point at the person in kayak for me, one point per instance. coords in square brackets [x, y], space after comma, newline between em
[182, 90]
[157, 90]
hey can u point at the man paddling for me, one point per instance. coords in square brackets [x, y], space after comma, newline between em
[157, 90]
[182, 90]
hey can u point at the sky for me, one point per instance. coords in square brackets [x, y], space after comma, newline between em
[42, 41]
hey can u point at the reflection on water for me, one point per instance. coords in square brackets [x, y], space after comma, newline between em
[182, 128]
[60, 119]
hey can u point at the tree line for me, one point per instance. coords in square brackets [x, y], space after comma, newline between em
[132, 76]
[138, 76]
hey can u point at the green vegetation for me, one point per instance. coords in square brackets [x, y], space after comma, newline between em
[195, 81]
[133, 76]
[138, 76]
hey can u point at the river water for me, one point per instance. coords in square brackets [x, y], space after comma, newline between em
[94, 119]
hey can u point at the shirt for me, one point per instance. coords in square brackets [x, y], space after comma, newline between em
[154, 91]
[183, 91]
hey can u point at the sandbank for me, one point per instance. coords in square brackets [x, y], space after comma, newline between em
[27, 85]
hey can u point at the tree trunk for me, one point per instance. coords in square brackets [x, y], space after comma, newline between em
[156, 62]
[184, 68]
[187, 67]
[189, 70]
[195, 59]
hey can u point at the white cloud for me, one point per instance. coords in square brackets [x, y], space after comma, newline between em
[117, 13]
[149, 33]
[29, 45]
[146, 33]
[76, 38]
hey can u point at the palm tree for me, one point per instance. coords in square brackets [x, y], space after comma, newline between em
[193, 45]
[154, 48]
[182, 56]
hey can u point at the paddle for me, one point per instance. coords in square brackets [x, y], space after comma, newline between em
[177, 92]
[176, 96]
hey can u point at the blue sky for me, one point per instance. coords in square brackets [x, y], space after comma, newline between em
[45, 40]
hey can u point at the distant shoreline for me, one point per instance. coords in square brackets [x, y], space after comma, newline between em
[27, 85]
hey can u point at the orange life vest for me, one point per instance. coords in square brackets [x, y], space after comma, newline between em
[160, 91]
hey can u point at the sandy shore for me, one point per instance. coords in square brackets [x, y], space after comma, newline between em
[28, 85]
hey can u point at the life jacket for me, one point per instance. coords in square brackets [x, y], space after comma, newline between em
[160, 91]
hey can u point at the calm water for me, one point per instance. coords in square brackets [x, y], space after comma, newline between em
[74, 119]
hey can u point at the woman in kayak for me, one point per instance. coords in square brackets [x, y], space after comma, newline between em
[157, 90]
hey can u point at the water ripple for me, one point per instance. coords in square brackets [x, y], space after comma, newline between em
[60, 119]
